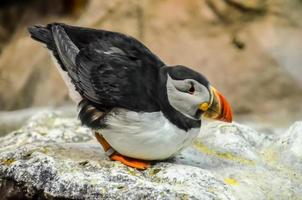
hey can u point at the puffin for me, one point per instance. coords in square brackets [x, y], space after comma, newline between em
[140, 109]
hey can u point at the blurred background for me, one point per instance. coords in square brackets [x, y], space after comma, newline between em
[251, 50]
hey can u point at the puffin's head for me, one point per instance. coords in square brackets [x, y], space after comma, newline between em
[191, 94]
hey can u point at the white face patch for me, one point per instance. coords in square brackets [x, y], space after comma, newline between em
[183, 101]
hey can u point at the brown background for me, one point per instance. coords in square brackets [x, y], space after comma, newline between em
[251, 50]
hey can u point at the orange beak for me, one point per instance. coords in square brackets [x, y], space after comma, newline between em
[218, 109]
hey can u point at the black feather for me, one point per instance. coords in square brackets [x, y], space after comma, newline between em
[44, 35]
[92, 116]
[113, 70]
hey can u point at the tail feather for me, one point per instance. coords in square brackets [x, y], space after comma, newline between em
[44, 35]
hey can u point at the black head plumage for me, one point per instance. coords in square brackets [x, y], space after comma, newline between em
[180, 72]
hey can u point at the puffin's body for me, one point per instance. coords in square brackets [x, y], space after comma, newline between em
[143, 108]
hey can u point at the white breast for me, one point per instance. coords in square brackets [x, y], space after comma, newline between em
[148, 136]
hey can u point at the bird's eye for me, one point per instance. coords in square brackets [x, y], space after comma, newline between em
[191, 90]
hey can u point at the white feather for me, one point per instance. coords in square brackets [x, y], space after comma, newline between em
[148, 136]
[74, 95]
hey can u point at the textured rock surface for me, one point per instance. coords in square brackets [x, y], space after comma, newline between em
[12, 120]
[53, 156]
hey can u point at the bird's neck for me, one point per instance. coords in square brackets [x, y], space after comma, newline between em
[178, 119]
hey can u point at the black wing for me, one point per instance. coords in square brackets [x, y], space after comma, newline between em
[109, 69]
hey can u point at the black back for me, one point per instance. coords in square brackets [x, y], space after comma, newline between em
[110, 68]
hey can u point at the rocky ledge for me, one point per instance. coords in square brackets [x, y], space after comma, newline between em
[53, 157]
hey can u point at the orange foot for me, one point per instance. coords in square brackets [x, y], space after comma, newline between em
[131, 162]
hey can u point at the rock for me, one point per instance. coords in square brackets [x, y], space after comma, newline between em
[54, 157]
[290, 145]
[12, 120]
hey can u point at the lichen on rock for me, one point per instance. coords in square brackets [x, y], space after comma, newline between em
[55, 157]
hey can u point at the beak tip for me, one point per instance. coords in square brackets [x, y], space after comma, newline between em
[228, 115]
[228, 119]
[226, 111]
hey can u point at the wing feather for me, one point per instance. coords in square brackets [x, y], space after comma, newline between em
[109, 68]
